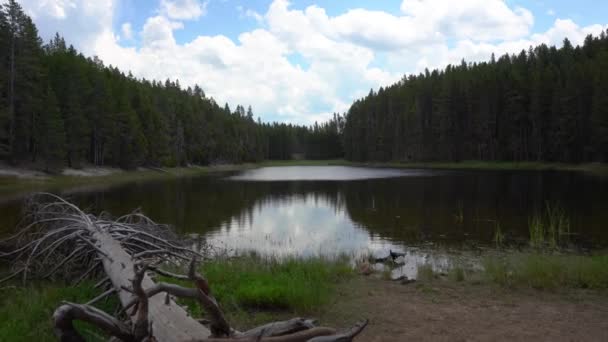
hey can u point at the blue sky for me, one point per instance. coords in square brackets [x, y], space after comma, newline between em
[299, 61]
[224, 18]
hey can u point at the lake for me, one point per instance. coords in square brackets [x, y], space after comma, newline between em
[330, 210]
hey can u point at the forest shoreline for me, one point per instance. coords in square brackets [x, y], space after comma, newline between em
[16, 180]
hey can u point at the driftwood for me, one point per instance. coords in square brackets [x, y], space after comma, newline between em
[62, 241]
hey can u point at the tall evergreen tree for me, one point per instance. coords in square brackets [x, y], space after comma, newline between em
[52, 133]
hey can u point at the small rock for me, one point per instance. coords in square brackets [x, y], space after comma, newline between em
[406, 281]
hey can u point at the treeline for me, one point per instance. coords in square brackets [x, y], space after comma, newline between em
[319, 141]
[545, 104]
[58, 108]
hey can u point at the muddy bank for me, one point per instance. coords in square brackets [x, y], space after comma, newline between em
[446, 311]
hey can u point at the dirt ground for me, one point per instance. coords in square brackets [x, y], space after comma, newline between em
[445, 311]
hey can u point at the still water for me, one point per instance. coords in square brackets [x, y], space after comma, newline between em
[332, 210]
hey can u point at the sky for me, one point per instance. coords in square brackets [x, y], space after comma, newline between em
[301, 61]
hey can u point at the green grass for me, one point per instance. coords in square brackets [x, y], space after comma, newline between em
[244, 287]
[253, 283]
[26, 312]
[534, 269]
[424, 272]
[550, 228]
[499, 236]
[548, 271]
[456, 273]
[459, 216]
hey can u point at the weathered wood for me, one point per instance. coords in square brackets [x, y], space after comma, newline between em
[279, 328]
[300, 336]
[171, 322]
[65, 315]
[347, 336]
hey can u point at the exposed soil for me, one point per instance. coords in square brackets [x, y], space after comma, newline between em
[446, 311]
[32, 171]
[20, 172]
[90, 172]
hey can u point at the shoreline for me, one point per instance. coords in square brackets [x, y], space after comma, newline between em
[433, 307]
[600, 169]
[91, 178]
[18, 181]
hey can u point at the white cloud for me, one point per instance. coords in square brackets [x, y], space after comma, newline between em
[183, 9]
[127, 31]
[343, 56]
[471, 19]
[551, 12]
[57, 9]
[439, 55]
[158, 33]
[249, 13]
[82, 22]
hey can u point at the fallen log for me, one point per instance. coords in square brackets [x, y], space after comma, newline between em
[63, 237]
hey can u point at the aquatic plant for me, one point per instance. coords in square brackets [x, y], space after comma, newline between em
[499, 237]
[558, 224]
[551, 228]
[537, 231]
[459, 216]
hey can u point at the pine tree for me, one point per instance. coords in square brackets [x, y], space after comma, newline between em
[53, 143]
[5, 47]
[25, 74]
[599, 116]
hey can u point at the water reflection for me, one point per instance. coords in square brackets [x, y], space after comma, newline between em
[305, 225]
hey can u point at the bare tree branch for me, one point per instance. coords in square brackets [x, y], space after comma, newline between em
[68, 312]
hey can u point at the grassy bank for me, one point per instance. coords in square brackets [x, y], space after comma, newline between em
[542, 271]
[250, 290]
[251, 284]
[595, 168]
[548, 271]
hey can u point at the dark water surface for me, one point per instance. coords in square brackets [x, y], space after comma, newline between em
[331, 210]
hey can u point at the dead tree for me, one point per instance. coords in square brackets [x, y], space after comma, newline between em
[63, 241]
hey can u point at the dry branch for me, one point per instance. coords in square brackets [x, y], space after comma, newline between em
[65, 315]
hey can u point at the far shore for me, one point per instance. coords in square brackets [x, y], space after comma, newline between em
[15, 180]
